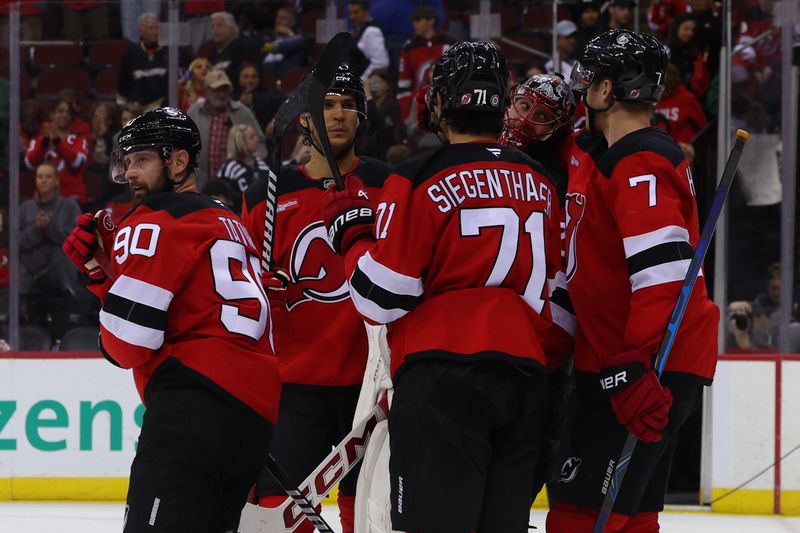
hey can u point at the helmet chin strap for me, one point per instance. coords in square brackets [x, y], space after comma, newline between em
[592, 112]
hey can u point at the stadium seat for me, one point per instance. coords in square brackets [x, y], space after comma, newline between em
[107, 53]
[56, 54]
[52, 81]
[80, 339]
[105, 83]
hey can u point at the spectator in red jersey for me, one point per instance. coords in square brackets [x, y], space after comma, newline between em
[66, 149]
[686, 54]
[419, 53]
[681, 108]
[77, 124]
[662, 13]
[194, 88]
[85, 20]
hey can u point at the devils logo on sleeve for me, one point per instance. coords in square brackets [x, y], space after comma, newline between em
[576, 204]
[317, 272]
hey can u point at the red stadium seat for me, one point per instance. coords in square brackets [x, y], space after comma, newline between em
[105, 83]
[58, 54]
[107, 53]
[291, 79]
[52, 81]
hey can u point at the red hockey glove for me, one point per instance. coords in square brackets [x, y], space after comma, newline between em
[423, 120]
[348, 214]
[80, 246]
[638, 399]
[276, 282]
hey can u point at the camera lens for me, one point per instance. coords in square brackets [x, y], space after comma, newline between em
[740, 320]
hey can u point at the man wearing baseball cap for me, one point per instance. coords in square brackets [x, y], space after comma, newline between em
[620, 14]
[214, 117]
[566, 46]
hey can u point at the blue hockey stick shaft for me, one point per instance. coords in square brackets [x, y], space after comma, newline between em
[612, 489]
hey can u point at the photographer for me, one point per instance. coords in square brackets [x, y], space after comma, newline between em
[748, 324]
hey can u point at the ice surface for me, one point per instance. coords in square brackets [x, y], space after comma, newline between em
[53, 517]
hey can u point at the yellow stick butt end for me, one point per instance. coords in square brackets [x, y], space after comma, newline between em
[743, 135]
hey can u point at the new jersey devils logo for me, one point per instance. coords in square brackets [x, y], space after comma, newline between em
[317, 271]
[576, 203]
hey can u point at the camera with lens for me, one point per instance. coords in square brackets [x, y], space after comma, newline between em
[741, 321]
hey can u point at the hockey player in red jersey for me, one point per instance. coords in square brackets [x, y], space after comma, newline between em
[186, 312]
[631, 228]
[320, 339]
[455, 259]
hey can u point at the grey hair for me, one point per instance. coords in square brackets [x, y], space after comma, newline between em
[145, 16]
[236, 148]
[229, 19]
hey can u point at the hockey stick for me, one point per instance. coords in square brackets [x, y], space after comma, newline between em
[289, 515]
[296, 495]
[336, 51]
[611, 486]
[321, 78]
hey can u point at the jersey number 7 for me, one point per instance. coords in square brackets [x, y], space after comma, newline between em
[475, 219]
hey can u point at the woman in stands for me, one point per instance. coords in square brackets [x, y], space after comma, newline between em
[194, 88]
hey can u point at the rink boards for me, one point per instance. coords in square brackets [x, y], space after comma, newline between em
[69, 427]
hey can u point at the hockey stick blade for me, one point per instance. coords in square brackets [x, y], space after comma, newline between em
[611, 486]
[289, 515]
[336, 51]
[322, 76]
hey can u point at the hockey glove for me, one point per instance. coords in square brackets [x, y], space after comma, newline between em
[638, 399]
[348, 214]
[423, 119]
[276, 282]
[80, 246]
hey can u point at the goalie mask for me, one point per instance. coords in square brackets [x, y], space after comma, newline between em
[163, 130]
[541, 112]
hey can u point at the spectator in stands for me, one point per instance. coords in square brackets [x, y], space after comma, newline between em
[144, 72]
[251, 93]
[286, 47]
[214, 118]
[67, 150]
[130, 10]
[384, 127]
[750, 328]
[588, 18]
[708, 29]
[193, 89]
[370, 50]
[661, 15]
[681, 108]
[397, 153]
[686, 55]
[566, 46]
[77, 124]
[48, 280]
[620, 14]
[197, 14]
[419, 53]
[243, 165]
[85, 20]
[394, 17]
[127, 113]
[105, 118]
[227, 50]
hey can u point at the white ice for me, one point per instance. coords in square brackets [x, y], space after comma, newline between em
[51, 517]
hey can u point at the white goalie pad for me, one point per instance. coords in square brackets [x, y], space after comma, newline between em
[373, 505]
[376, 373]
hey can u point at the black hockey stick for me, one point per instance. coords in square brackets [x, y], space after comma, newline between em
[321, 79]
[335, 52]
[611, 486]
[296, 495]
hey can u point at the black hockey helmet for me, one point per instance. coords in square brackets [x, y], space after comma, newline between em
[634, 62]
[347, 83]
[470, 76]
[541, 100]
[164, 130]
